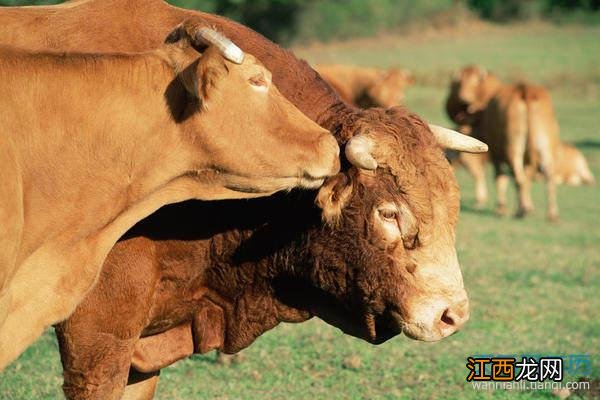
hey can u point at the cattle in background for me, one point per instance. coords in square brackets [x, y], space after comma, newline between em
[571, 167]
[375, 258]
[518, 123]
[367, 87]
[91, 144]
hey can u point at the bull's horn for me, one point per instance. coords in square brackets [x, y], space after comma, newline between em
[229, 50]
[453, 140]
[358, 152]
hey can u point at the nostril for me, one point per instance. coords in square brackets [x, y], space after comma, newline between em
[448, 317]
[453, 318]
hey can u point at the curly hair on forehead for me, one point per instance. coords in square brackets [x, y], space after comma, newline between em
[411, 164]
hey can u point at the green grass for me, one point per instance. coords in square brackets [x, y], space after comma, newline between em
[534, 286]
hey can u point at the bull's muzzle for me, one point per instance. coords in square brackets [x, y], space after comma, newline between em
[437, 319]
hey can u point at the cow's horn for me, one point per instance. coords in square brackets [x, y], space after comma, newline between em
[453, 140]
[229, 50]
[358, 152]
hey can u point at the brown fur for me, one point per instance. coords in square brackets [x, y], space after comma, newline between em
[225, 272]
[518, 123]
[367, 87]
[94, 143]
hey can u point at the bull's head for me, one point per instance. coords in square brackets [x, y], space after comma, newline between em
[390, 234]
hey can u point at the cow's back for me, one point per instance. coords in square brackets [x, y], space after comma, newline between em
[521, 116]
[75, 26]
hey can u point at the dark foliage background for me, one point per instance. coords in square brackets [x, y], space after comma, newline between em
[289, 21]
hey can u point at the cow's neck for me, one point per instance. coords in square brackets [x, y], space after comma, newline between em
[87, 170]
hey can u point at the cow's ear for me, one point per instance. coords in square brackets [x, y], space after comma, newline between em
[200, 77]
[333, 197]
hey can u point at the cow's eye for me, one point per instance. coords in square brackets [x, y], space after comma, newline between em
[258, 80]
[388, 214]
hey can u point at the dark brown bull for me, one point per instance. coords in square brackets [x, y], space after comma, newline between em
[376, 259]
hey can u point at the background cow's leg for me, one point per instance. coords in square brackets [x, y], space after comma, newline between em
[475, 164]
[523, 184]
[547, 166]
[95, 365]
[141, 386]
[501, 186]
[516, 161]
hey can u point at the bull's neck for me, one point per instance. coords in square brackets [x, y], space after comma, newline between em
[255, 282]
[96, 150]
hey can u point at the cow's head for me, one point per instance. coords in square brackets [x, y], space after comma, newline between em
[233, 113]
[472, 87]
[387, 260]
[388, 90]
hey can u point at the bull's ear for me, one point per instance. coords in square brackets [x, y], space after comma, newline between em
[333, 197]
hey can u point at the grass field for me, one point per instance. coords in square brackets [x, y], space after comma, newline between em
[534, 287]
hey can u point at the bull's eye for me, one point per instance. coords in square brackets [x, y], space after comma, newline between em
[388, 214]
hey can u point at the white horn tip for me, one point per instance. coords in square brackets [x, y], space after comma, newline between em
[233, 54]
[228, 49]
[453, 140]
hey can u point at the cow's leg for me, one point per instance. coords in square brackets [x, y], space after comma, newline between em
[95, 364]
[547, 166]
[141, 386]
[501, 186]
[516, 161]
[30, 310]
[475, 164]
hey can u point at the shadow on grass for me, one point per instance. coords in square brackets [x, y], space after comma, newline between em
[587, 143]
[471, 209]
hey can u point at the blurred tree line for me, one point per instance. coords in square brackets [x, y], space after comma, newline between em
[307, 20]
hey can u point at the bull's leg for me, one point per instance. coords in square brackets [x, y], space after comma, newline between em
[141, 386]
[475, 164]
[95, 364]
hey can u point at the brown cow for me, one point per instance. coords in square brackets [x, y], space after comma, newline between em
[518, 123]
[367, 87]
[377, 258]
[92, 144]
[571, 167]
